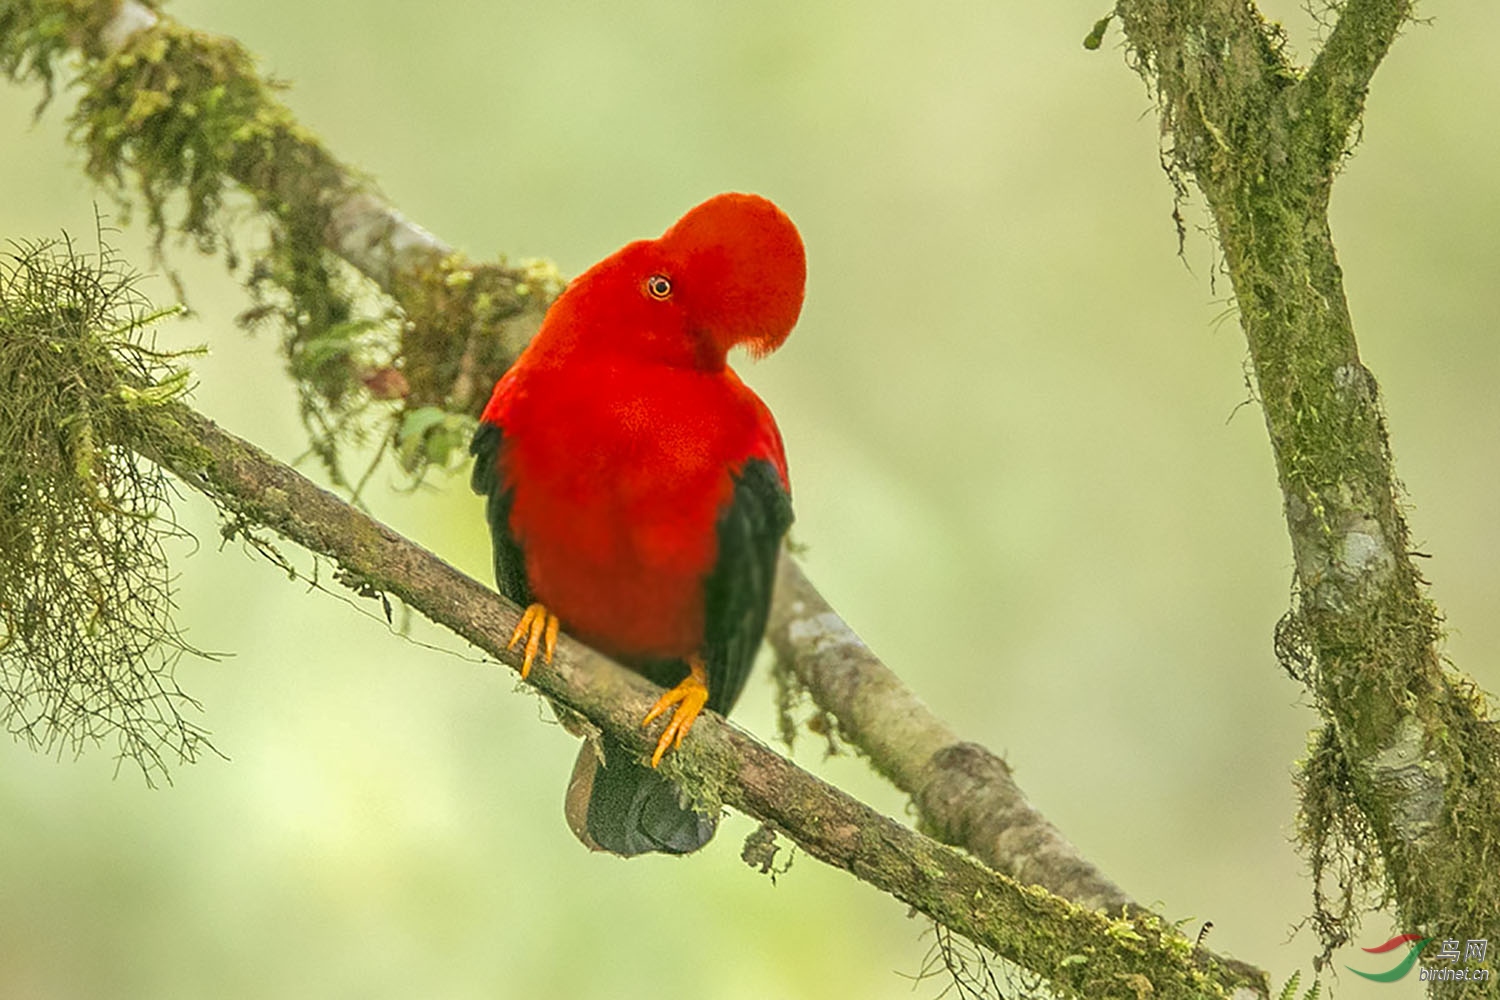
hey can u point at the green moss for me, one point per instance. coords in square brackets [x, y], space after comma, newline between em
[1400, 789]
[1338, 841]
[173, 121]
[87, 640]
[170, 113]
[182, 123]
[464, 302]
[35, 35]
[795, 709]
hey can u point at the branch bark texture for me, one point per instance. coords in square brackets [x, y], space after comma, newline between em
[965, 794]
[1410, 761]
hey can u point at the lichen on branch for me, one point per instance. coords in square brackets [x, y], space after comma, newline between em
[97, 415]
[377, 318]
[1401, 789]
[88, 642]
[1080, 952]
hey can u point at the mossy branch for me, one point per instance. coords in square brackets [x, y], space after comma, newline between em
[184, 119]
[964, 794]
[1401, 794]
[1331, 97]
[150, 82]
[87, 639]
[85, 606]
[86, 393]
[1080, 952]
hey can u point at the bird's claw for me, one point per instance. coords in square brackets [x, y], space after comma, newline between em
[689, 696]
[539, 627]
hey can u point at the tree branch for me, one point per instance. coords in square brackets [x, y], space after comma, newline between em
[181, 110]
[463, 331]
[1331, 97]
[1410, 766]
[964, 793]
[363, 229]
[1080, 952]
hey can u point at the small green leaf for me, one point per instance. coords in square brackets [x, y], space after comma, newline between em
[162, 392]
[1095, 38]
[419, 421]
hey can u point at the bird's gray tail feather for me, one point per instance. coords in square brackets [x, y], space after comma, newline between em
[622, 806]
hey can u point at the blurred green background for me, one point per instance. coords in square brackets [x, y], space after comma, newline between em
[1020, 472]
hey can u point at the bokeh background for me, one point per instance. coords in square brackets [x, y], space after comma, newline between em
[1022, 471]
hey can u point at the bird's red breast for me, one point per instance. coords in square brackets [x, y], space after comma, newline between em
[623, 425]
[616, 506]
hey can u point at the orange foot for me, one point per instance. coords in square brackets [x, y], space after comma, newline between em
[693, 694]
[539, 626]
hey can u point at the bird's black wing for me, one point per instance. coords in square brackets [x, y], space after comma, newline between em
[489, 479]
[739, 588]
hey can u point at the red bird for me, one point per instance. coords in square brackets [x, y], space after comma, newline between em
[637, 489]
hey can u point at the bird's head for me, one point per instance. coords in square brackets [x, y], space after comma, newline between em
[730, 273]
[738, 265]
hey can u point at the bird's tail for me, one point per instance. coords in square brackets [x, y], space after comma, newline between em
[622, 806]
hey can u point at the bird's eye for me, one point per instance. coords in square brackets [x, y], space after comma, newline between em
[659, 287]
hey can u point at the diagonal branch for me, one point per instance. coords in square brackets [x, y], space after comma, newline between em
[1080, 952]
[181, 111]
[965, 794]
[463, 323]
[1335, 85]
[364, 229]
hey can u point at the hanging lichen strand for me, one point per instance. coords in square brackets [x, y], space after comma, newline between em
[87, 640]
[385, 334]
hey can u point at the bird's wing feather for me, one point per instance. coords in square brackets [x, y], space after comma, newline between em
[739, 587]
[489, 480]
